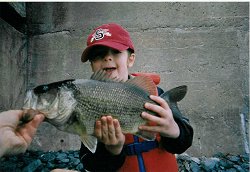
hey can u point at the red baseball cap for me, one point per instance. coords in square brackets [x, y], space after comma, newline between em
[111, 35]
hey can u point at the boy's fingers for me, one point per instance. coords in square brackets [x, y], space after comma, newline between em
[118, 130]
[111, 129]
[98, 131]
[151, 118]
[154, 129]
[156, 108]
[104, 128]
[160, 101]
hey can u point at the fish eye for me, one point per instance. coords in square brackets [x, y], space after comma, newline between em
[45, 88]
[41, 89]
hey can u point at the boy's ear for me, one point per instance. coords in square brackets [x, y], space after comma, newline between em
[131, 60]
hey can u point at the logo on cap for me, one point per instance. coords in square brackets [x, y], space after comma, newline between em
[99, 34]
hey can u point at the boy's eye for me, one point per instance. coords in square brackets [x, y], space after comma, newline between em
[95, 58]
[113, 51]
[100, 52]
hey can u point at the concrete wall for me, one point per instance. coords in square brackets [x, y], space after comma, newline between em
[202, 45]
[13, 66]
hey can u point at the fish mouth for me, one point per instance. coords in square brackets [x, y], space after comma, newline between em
[56, 112]
[30, 101]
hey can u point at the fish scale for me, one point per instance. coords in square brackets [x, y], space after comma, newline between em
[112, 101]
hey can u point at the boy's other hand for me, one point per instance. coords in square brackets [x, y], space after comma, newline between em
[108, 131]
[165, 123]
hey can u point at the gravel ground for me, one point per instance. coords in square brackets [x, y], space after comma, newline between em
[39, 161]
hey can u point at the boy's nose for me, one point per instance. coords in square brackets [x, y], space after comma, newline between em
[108, 57]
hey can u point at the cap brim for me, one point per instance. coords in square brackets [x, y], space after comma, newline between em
[114, 45]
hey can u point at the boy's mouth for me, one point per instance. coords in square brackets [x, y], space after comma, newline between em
[109, 69]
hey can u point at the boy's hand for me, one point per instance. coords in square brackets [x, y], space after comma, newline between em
[109, 132]
[165, 123]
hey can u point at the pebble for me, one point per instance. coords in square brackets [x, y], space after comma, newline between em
[38, 161]
[33, 166]
[219, 162]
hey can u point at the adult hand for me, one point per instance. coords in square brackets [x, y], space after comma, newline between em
[165, 123]
[108, 131]
[15, 136]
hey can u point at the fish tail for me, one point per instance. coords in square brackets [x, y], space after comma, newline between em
[172, 97]
[175, 95]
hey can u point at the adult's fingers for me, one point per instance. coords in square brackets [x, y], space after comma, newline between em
[37, 120]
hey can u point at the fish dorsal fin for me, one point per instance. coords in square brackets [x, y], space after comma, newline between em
[103, 76]
[144, 82]
[154, 76]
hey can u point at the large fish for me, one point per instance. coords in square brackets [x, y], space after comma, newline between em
[74, 105]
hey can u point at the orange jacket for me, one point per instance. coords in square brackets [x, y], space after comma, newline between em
[155, 160]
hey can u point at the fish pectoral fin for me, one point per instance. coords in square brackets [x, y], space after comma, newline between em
[90, 142]
[146, 135]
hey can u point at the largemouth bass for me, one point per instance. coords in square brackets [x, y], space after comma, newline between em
[74, 105]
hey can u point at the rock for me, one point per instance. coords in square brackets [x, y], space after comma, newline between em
[234, 159]
[38, 161]
[231, 170]
[186, 165]
[245, 166]
[196, 160]
[245, 157]
[209, 164]
[66, 160]
[194, 167]
[238, 168]
[61, 156]
[76, 161]
[7, 167]
[226, 163]
[51, 165]
[219, 155]
[79, 167]
[32, 166]
[76, 154]
[47, 157]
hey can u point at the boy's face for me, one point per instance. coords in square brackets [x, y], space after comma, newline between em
[112, 61]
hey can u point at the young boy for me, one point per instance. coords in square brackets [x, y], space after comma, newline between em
[110, 48]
